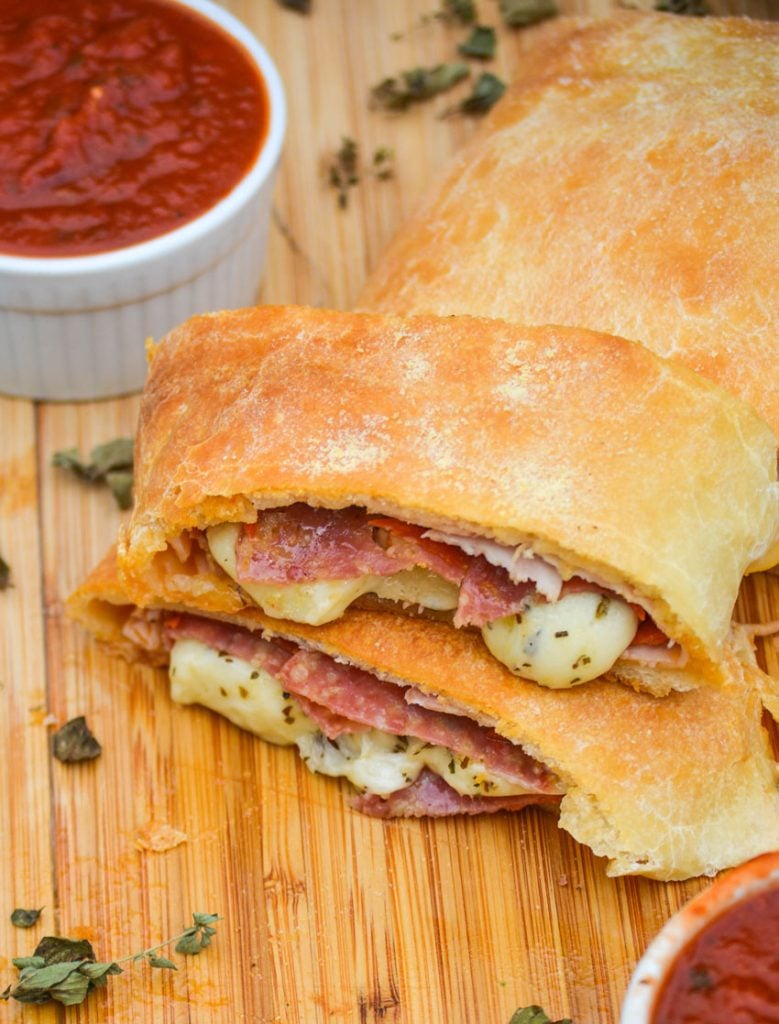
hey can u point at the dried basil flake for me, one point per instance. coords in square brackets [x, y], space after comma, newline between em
[342, 170]
[521, 13]
[25, 918]
[5, 574]
[479, 44]
[301, 6]
[487, 90]
[75, 742]
[110, 463]
[463, 11]
[416, 85]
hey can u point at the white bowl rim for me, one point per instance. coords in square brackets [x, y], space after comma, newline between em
[761, 872]
[191, 232]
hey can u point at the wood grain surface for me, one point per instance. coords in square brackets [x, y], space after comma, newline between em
[328, 916]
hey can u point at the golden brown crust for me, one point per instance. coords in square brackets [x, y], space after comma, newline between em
[626, 182]
[618, 462]
[669, 788]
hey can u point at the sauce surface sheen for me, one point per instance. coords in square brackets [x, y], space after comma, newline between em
[120, 120]
[729, 972]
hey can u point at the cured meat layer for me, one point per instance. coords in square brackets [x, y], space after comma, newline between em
[342, 699]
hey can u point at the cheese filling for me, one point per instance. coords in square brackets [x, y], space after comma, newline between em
[555, 643]
[326, 600]
[373, 761]
[571, 641]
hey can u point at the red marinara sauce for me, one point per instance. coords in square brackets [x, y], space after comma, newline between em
[729, 972]
[119, 121]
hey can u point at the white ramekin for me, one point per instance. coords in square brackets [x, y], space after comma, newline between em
[746, 881]
[74, 327]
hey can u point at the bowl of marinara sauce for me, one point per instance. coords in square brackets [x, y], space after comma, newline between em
[717, 960]
[139, 140]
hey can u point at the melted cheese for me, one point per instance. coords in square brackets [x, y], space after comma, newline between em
[247, 695]
[564, 643]
[326, 600]
[374, 761]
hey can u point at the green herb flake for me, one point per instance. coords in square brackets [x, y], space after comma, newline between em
[120, 481]
[603, 607]
[535, 1015]
[691, 8]
[521, 13]
[384, 163]
[479, 44]
[301, 6]
[463, 11]
[342, 170]
[54, 949]
[75, 742]
[5, 574]
[416, 85]
[161, 962]
[487, 90]
[199, 936]
[110, 464]
[25, 918]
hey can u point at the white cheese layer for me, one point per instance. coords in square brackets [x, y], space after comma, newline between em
[373, 761]
[564, 643]
[247, 695]
[326, 600]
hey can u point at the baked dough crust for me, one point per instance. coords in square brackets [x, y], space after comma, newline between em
[613, 460]
[626, 182]
[669, 788]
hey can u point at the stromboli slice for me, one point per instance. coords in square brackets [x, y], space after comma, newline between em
[668, 788]
[427, 441]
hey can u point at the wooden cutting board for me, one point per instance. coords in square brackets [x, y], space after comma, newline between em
[328, 916]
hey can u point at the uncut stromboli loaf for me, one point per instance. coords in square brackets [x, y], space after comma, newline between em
[626, 182]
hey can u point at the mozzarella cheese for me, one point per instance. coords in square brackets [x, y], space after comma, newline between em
[326, 600]
[373, 761]
[564, 643]
[244, 693]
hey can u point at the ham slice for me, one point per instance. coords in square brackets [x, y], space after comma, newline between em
[300, 544]
[361, 697]
[520, 567]
[431, 797]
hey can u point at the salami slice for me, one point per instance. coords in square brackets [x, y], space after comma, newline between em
[430, 797]
[232, 640]
[361, 697]
[331, 724]
[300, 544]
